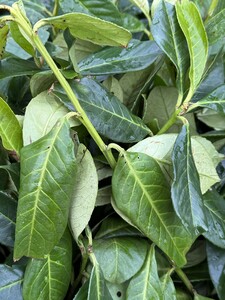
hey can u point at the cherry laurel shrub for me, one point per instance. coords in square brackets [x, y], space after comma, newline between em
[112, 126]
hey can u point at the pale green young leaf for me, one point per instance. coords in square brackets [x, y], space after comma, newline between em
[49, 278]
[85, 192]
[126, 254]
[42, 113]
[10, 129]
[97, 289]
[185, 191]
[192, 26]
[146, 283]
[170, 38]
[46, 186]
[90, 28]
[205, 156]
[140, 190]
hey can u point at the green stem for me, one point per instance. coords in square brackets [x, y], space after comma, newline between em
[170, 122]
[212, 7]
[185, 280]
[65, 85]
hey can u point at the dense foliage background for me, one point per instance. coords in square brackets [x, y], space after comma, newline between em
[112, 126]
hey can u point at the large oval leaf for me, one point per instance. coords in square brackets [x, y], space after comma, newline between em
[10, 129]
[186, 192]
[46, 186]
[170, 38]
[89, 28]
[192, 26]
[49, 278]
[11, 282]
[85, 191]
[109, 116]
[136, 56]
[125, 254]
[142, 194]
[42, 113]
[146, 284]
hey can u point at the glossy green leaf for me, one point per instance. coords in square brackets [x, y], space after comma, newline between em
[11, 281]
[82, 294]
[205, 156]
[117, 291]
[11, 67]
[126, 254]
[4, 29]
[42, 113]
[170, 38]
[216, 264]
[215, 100]
[215, 214]
[8, 207]
[142, 194]
[192, 26]
[106, 112]
[97, 286]
[49, 278]
[105, 10]
[146, 284]
[91, 29]
[10, 129]
[104, 196]
[47, 177]
[212, 118]
[138, 55]
[185, 191]
[215, 27]
[85, 191]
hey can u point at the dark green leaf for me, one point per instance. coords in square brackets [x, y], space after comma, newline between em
[146, 284]
[126, 254]
[97, 286]
[215, 214]
[41, 82]
[11, 67]
[215, 27]
[46, 185]
[10, 129]
[142, 195]
[186, 192]
[105, 10]
[192, 26]
[106, 112]
[168, 287]
[82, 294]
[215, 100]
[8, 207]
[170, 38]
[49, 278]
[90, 28]
[11, 281]
[199, 297]
[136, 56]
[216, 263]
